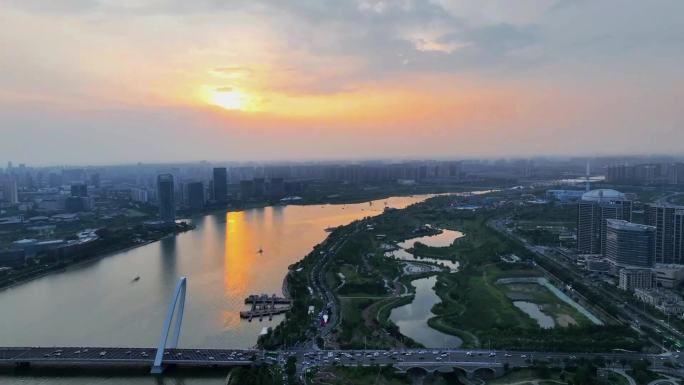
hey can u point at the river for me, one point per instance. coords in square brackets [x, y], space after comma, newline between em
[98, 303]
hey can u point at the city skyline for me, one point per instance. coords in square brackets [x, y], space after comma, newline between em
[106, 82]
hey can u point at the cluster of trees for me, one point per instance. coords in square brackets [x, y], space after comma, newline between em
[569, 339]
[254, 375]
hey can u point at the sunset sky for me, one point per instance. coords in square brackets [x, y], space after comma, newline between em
[121, 81]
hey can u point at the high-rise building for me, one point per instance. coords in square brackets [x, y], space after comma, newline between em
[277, 188]
[95, 180]
[10, 192]
[165, 198]
[669, 240]
[259, 187]
[246, 189]
[139, 195]
[79, 190]
[678, 238]
[54, 179]
[220, 184]
[196, 195]
[629, 244]
[595, 207]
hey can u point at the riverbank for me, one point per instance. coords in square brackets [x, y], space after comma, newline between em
[14, 278]
[472, 305]
[104, 248]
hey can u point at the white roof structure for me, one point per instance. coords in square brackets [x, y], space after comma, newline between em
[603, 195]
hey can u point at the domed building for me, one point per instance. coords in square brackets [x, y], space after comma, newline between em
[603, 195]
[595, 208]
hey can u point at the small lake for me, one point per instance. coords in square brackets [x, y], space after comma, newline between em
[443, 239]
[412, 318]
[533, 310]
[555, 291]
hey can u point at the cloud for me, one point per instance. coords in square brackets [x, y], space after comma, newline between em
[526, 58]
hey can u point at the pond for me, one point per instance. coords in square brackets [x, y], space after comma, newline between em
[443, 239]
[533, 310]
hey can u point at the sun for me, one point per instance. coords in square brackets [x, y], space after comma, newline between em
[229, 99]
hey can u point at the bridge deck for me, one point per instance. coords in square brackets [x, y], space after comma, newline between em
[75, 355]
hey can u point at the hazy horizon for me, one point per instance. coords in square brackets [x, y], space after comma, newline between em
[127, 81]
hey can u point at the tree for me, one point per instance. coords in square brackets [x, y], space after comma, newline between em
[291, 366]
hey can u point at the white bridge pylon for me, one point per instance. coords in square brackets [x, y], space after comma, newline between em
[178, 296]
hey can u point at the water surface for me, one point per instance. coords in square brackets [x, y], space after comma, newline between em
[98, 304]
[443, 239]
[412, 318]
[533, 310]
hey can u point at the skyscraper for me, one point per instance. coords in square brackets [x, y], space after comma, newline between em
[629, 244]
[669, 240]
[10, 193]
[595, 207]
[220, 184]
[196, 195]
[165, 198]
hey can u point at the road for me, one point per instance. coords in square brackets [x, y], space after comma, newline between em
[429, 359]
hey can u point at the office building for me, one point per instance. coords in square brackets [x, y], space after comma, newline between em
[165, 198]
[631, 279]
[629, 244]
[669, 240]
[220, 184]
[594, 209]
[195, 195]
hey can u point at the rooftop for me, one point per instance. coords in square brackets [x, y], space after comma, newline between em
[603, 195]
[624, 225]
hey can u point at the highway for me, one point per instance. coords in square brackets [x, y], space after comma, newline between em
[118, 355]
[425, 360]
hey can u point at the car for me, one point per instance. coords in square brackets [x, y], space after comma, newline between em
[492, 354]
[507, 355]
[523, 356]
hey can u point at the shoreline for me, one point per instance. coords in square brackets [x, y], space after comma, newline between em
[285, 288]
[192, 217]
